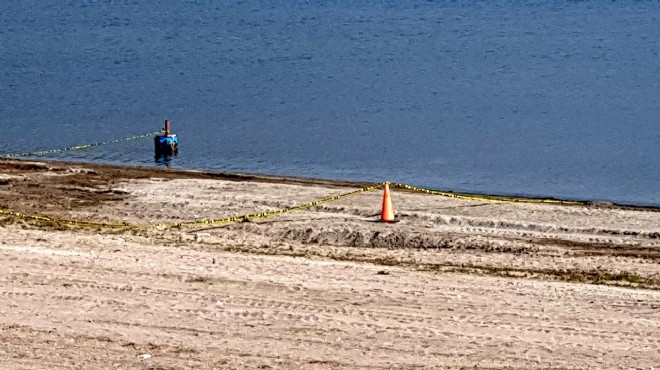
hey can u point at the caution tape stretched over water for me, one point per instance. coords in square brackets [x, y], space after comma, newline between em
[77, 147]
[486, 198]
[96, 224]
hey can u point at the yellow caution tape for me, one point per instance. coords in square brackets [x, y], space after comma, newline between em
[64, 221]
[96, 224]
[486, 198]
[269, 213]
[78, 147]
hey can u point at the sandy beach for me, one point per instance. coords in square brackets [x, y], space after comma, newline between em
[455, 284]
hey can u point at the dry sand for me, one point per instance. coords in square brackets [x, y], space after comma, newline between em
[454, 284]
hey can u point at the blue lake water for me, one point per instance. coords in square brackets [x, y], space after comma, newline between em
[537, 98]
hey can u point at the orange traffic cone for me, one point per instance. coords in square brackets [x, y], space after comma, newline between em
[387, 214]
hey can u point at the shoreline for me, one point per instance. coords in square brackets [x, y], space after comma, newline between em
[267, 178]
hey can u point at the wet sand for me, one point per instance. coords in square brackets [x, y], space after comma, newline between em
[454, 284]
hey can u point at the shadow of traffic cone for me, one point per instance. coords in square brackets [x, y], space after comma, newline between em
[387, 214]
